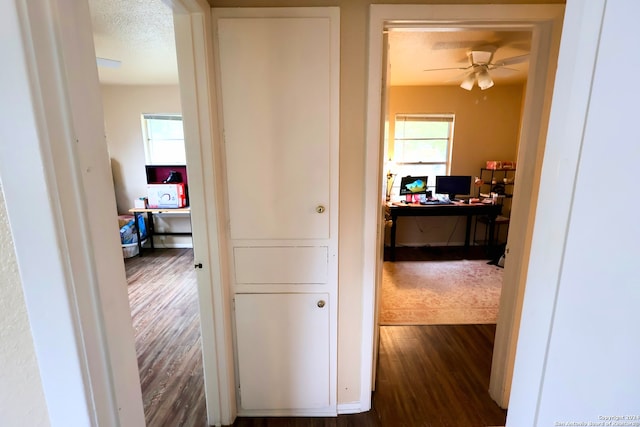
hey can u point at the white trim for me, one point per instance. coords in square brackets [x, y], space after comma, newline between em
[350, 408]
[571, 98]
[83, 334]
[192, 21]
[168, 245]
[533, 17]
[537, 103]
[57, 182]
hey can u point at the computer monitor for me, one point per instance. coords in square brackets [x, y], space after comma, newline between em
[413, 185]
[453, 185]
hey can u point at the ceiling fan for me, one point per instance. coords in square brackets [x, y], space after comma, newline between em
[479, 66]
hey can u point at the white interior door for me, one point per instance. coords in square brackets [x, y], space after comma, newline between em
[279, 84]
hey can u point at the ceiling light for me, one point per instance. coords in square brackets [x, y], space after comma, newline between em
[484, 79]
[468, 81]
[108, 63]
[481, 56]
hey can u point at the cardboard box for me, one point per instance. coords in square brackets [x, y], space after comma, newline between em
[508, 165]
[166, 195]
[500, 164]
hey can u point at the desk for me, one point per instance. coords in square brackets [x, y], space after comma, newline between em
[151, 227]
[455, 209]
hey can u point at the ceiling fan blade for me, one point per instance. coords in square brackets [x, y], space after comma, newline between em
[457, 78]
[503, 71]
[511, 61]
[447, 69]
[462, 44]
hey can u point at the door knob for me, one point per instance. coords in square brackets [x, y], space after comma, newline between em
[321, 303]
[320, 209]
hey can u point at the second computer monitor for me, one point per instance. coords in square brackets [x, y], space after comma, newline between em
[453, 185]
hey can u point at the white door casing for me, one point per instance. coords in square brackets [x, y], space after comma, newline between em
[545, 22]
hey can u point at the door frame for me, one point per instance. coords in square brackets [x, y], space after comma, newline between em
[545, 22]
[193, 27]
[70, 262]
[80, 321]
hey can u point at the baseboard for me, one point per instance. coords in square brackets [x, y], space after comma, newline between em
[349, 408]
[169, 245]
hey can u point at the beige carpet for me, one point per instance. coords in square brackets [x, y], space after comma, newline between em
[440, 292]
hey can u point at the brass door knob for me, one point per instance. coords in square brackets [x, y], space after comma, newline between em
[321, 303]
[320, 209]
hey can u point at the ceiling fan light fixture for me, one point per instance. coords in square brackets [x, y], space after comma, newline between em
[484, 79]
[481, 56]
[468, 82]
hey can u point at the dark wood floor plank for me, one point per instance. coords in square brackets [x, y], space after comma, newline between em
[436, 376]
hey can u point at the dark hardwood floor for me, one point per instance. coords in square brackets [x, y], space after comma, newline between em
[164, 308]
[428, 376]
[436, 376]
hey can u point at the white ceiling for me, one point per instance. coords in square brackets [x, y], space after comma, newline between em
[139, 33]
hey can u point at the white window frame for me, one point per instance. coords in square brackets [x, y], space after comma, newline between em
[148, 141]
[403, 166]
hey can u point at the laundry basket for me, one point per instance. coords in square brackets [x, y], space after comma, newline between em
[129, 236]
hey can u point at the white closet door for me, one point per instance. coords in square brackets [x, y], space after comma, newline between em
[279, 81]
[277, 106]
[282, 350]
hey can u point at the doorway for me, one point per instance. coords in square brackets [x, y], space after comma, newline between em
[190, 20]
[544, 23]
[435, 128]
[144, 132]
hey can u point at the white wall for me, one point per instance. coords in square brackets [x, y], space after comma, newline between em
[578, 351]
[21, 397]
[123, 106]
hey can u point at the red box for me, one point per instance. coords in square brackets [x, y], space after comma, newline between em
[166, 195]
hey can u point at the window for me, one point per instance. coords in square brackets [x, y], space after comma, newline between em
[422, 146]
[163, 139]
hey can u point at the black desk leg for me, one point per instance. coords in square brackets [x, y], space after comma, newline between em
[394, 220]
[492, 230]
[150, 229]
[135, 220]
[467, 232]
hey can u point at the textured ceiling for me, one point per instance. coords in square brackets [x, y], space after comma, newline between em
[411, 52]
[139, 33]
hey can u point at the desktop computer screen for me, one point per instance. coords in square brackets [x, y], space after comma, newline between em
[413, 185]
[453, 185]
